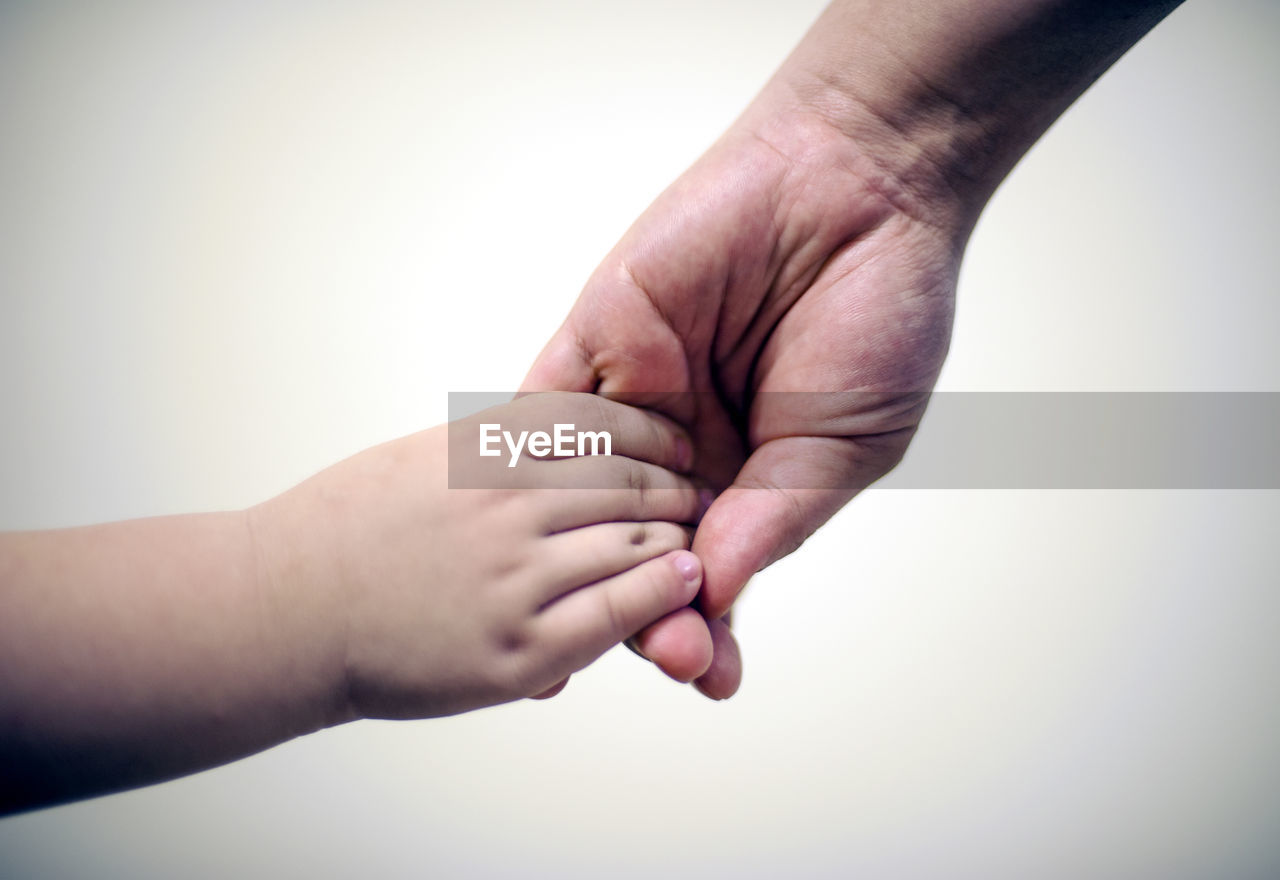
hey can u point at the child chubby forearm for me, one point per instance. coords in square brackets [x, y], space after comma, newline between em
[138, 651]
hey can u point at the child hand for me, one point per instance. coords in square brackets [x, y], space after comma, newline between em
[416, 599]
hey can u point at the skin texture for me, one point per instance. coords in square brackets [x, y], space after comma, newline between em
[134, 652]
[815, 248]
[799, 277]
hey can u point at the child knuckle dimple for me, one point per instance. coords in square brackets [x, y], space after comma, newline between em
[638, 479]
[632, 482]
[512, 640]
[602, 415]
[613, 615]
[593, 406]
[613, 421]
[514, 670]
[640, 534]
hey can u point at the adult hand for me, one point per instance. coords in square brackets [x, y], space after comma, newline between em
[815, 248]
[782, 262]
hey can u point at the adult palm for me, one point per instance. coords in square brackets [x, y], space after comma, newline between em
[787, 259]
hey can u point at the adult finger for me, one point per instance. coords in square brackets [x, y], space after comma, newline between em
[679, 644]
[724, 674]
[562, 365]
[786, 490]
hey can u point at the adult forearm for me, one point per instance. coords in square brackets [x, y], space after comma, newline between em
[945, 96]
[137, 651]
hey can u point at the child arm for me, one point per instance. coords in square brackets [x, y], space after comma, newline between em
[138, 651]
[132, 652]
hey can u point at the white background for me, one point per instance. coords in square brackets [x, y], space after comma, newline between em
[239, 241]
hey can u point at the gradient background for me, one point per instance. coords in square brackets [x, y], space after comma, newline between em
[239, 241]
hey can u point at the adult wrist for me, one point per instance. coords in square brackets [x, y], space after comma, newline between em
[944, 98]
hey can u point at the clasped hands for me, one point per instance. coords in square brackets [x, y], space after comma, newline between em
[779, 263]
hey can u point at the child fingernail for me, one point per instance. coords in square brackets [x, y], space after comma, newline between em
[689, 567]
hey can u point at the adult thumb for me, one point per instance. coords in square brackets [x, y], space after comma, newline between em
[784, 492]
[562, 365]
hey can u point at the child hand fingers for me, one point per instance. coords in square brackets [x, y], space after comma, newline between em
[617, 489]
[583, 624]
[591, 553]
[632, 432]
[645, 435]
